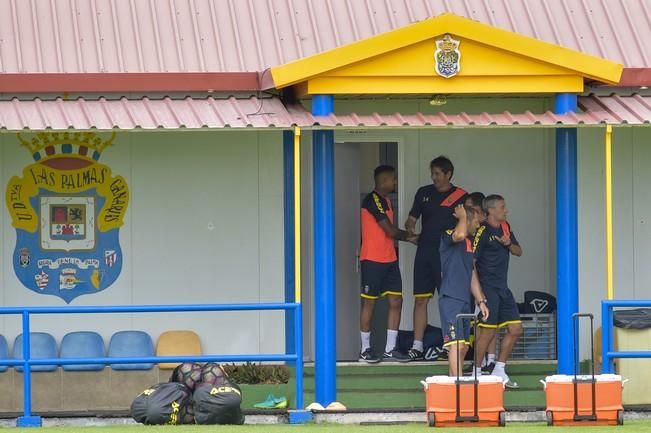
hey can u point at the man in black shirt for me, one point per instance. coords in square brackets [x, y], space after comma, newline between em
[475, 200]
[494, 243]
[435, 204]
[458, 281]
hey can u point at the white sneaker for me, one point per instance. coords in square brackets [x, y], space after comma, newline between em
[508, 383]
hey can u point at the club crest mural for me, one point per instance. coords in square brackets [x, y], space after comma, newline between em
[67, 209]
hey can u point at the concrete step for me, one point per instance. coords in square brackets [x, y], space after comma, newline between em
[395, 385]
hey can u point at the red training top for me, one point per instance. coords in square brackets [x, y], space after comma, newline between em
[377, 246]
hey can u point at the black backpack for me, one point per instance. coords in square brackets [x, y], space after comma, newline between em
[165, 403]
[539, 302]
[432, 342]
[218, 404]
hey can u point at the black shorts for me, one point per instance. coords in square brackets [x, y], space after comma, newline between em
[427, 272]
[502, 308]
[380, 279]
[449, 308]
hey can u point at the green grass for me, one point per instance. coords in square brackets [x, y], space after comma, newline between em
[633, 426]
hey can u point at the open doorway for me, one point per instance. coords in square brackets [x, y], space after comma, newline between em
[355, 162]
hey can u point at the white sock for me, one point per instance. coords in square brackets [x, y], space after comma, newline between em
[418, 345]
[366, 340]
[491, 358]
[499, 369]
[484, 363]
[392, 336]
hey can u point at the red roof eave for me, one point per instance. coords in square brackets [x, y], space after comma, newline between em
[14, 83]
[170, 82]
[635, 77]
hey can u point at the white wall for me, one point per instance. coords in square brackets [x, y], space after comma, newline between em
[631, 217]
[519, 164]
[513, 163]
[516, 163]
[205, 225]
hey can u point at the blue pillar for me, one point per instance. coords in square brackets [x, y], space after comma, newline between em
[566, 234]
[325, 345]
[288, 200]
[28, 419]
[323, 105]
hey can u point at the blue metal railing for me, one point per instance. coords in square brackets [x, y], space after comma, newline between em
[608, 354]
[28, 420]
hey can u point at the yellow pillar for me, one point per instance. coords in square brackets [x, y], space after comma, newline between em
[297, 214]
[609, 211]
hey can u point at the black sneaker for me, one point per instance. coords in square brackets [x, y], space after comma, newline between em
[488, 368]
[368, 357]
[413, 355]
[394, 356]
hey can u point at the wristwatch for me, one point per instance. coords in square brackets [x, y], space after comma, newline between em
[483, 301]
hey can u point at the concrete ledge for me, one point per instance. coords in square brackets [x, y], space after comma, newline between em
[358, 418]
[373, 418]
[369, 418]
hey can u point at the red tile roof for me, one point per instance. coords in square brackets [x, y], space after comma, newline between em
[252, 112]
[251, 35]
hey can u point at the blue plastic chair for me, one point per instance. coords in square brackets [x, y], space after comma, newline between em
[42, 346]
[83, 344]
[131, 344]
[4, 353]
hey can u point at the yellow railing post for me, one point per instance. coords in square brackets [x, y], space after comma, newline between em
[609, 211]
[297, 214]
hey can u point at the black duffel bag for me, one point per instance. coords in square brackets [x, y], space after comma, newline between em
[165, 403]
[218, 404]
[639, 318]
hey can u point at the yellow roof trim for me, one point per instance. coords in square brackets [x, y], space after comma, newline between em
[424, 85]
[586, 65]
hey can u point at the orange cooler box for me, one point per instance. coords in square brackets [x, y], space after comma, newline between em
[441, 401]
[559, 394]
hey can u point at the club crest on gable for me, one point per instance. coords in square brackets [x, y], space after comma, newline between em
[447, 57]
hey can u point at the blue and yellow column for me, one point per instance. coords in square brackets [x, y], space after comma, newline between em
[325, 344]
[289, 238]
[566, 233]
[293, 271]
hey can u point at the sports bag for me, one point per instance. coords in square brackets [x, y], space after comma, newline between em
[164, 403]
[218, 404]
[539, 302]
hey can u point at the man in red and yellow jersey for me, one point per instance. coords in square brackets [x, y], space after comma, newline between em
[434, 204]
[379, 263]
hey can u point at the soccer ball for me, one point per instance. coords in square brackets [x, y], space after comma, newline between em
[186, 413]
[213, 374]
[188, 373]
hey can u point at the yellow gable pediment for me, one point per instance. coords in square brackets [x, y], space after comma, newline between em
[490, 60]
